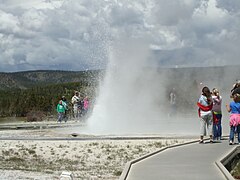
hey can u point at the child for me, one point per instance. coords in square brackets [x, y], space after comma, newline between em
[235, 89]
[234, 109]
[217, 112]
[205, 105]
[85, 105]
[61, 111]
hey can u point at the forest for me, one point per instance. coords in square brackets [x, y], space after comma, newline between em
[42, 98]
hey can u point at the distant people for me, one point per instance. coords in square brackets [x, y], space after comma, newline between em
[65, 105]
[172, 99]
[75, 102]
[217, 113]
[205, 105]
[80, 106]
[234, 109]
[61, 111]
[85, 105]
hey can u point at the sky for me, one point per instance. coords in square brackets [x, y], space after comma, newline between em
[80, 34]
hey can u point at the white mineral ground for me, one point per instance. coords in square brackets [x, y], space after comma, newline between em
[99, 158]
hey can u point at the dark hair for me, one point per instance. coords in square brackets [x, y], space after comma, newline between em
[235, 86]
[206, 92]
[205, 89]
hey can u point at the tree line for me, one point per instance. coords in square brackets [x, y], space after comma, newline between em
[19, 102]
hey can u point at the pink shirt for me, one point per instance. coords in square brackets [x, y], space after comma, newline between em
[85, 104]
[217, 103]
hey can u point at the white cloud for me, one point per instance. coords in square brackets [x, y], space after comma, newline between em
[9, 23]
[69, 34]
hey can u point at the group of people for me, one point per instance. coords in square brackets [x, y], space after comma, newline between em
[80, 106]
[210, 113]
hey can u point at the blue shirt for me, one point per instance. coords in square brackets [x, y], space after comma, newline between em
[235, 107]
[203, 100]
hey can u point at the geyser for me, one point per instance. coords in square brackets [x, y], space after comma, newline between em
[132, 98]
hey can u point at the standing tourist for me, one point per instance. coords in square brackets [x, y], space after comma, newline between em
[234, 109]
[173, 106]
[65, 105]
[85, 105]
[61, 111]
[75, 102]
[217, 112]
[205, 105]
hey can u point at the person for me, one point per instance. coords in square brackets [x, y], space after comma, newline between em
[61, 111]
[75, 102]
[172, 99]
[217, 114]
[235, 89]
[234, 109]
[205, 105]
[65, 105]
[85, 105]
[80, 106]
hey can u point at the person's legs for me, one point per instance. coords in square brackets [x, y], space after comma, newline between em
[60, 117]
[202, 129]
[231, 136]
[219, 116]
[238, 133]
[215, 131]
[75, 111]
[65, 116]
[209, 122]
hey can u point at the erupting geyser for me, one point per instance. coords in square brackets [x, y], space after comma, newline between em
[132, 98]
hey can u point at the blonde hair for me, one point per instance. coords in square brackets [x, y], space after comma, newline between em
[215, 90]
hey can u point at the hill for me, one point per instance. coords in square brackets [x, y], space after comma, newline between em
[28, 79]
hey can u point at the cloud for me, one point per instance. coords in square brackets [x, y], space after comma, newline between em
[74, 35]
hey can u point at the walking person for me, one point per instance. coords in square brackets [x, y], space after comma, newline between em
[61, 111]
[205, 105]
[217, 113]
[234, 109]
